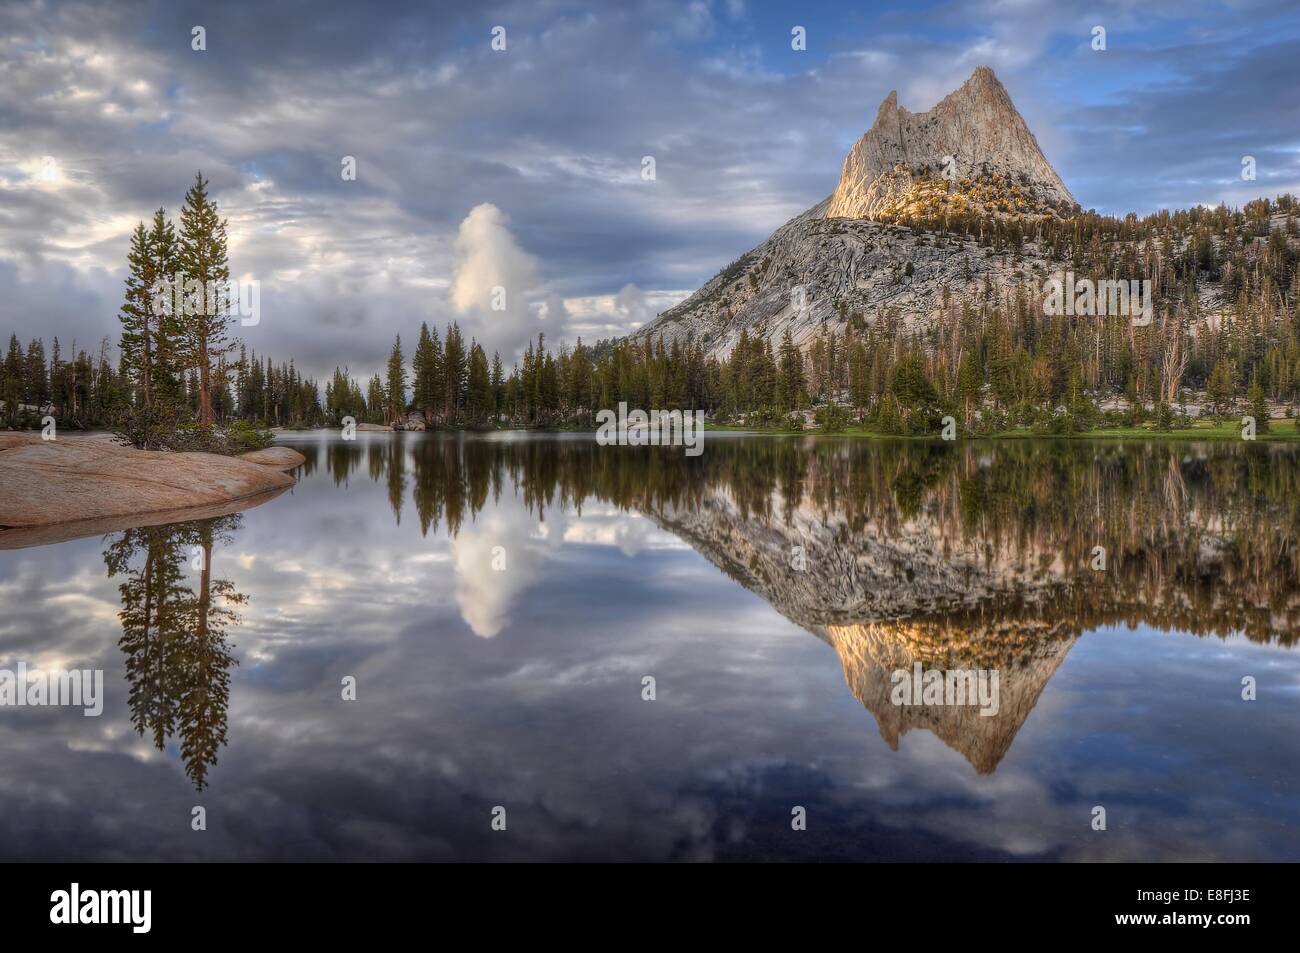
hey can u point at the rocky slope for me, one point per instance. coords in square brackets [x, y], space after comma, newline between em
[847, 258]
[816, 273]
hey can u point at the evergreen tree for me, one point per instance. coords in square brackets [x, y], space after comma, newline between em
[479, 386]
[395, 406]
[498, 385]
[1258, 407]
[791, 375]
[425, 364]
[12, 380]
[376, 401]
[456, 372]
[969, 383]
[203, 263]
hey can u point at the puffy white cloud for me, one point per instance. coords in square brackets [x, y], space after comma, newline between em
[488, 596]
[493, 279]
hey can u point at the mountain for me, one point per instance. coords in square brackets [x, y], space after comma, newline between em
[852, 258]
[973, 134]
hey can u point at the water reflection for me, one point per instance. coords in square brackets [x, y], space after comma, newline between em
[481, 687]
[992, 556]
[177, 652]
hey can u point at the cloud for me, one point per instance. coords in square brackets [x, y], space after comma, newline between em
[492, 281]
[745, 133]
[554, 310]
[519, 544]
[632, 305]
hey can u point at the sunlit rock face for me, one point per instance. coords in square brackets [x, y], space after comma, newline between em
[975, 134]
[854, 254]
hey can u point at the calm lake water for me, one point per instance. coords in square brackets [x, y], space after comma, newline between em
[501, 600]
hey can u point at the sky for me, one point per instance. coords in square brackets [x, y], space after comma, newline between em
[523, 168]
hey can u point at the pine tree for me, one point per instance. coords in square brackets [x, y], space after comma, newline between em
[163, 256]
[498, 385]
[148, 324]
[395, 406]
[455, 364]
[138, 316]
[1258, 406]
[479, 387]
[376, 401]
[791, 379]
[12, 380]
[204, 265]
[888, 417]
[1218, 392]
[969, 383]
[37, 389]
[425, 364]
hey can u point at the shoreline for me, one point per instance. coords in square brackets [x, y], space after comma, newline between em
[1283, 431]
[1224, 432]
[74, 486]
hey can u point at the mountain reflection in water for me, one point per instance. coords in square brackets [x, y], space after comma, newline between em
[966, 556]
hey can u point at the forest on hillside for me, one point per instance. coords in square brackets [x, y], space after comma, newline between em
[993, 359]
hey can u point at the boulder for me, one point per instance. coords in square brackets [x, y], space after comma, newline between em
[281, 458]
[412, 421]
[93, 485]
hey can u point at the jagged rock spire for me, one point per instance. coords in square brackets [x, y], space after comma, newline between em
[975, 133]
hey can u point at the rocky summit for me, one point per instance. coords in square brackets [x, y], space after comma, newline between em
[972, 150]
[861, 255]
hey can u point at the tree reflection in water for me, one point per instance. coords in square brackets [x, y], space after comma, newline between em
[174, 619]
[977, 555]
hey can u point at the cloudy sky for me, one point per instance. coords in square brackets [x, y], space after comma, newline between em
[522, 167]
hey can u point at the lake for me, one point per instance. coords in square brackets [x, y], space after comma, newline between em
[623, 653]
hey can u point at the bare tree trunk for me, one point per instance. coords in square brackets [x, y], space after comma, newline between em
[72, 380]
[205, 383]
[1175, 358]
[146, 372]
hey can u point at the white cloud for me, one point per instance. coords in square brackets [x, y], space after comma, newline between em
[487, 597]
[492, 281]
[554, 310]
[633, 306]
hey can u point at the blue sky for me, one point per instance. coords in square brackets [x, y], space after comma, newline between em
[522, 167]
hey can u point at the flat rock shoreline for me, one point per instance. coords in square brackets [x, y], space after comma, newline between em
[281, 458]
[81, 485]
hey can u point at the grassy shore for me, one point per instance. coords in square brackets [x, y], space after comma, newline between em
[1281, 429]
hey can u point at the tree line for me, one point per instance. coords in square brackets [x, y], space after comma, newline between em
[89, 391]
[992, 359]
[176, 366]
